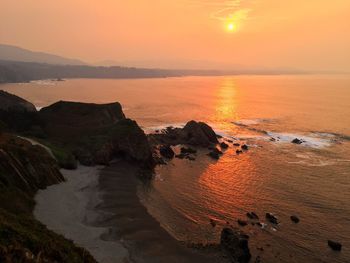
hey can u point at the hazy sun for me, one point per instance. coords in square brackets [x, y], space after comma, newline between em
[231, 27]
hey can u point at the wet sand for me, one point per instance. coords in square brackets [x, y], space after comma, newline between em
[68, 209]
[128, 220]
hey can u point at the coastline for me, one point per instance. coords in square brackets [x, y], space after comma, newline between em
[68, 209]
[102, 203]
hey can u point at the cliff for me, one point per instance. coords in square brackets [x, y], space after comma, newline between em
[95, 133]
[25, 168]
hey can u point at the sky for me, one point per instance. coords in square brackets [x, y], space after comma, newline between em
[201, 34]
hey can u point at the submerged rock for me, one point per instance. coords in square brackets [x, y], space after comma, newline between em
[336, 246]
[236, 244]
[239, 151]
[271, 218]
[252, 215]
[224, 145]
[295, 219]
[242, 222]
[245, 147]
[166, 151]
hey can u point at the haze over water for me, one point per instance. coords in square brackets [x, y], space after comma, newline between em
[311, 180]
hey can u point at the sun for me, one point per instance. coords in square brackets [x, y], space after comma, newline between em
[231, 27]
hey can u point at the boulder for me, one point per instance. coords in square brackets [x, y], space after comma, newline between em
[271, 218]
[245, 147]
[198, 133]
[166, 151]
[297, 141]
[236, 244]
[336, 246]
[224, 145]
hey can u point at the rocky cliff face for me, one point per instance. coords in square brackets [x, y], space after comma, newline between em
[14, 103]
[95, 133]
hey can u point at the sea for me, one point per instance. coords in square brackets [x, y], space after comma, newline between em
[310, 180]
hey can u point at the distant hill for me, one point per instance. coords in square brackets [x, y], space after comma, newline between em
[16, 71]
[13, 53]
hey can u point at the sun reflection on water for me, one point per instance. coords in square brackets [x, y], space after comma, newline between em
[226, 104]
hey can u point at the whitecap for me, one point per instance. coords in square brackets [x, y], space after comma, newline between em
[307, 140]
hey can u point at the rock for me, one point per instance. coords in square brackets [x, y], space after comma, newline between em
[252, 215]
[295, 219]
[236, 245]
[214, 155]
[166, 151]
[336, 246]
[245, 147]
[297, 141]
[230, 141]
[242, 222]
[9, 102]
[271, 218]
[198, 133]
[96, 133]
[224, 145]
[236, 144]
[188, 150]
[239, 151]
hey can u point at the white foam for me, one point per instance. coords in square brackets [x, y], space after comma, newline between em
[247, 122]
[308, 140]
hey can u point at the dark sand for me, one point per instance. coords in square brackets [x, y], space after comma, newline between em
[129, 222]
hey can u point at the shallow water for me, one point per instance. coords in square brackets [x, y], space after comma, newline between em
[311, 180]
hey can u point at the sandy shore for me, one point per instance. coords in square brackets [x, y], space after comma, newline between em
[68, 209]
[98, 208]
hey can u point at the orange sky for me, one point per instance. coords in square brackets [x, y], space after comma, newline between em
[303, 34]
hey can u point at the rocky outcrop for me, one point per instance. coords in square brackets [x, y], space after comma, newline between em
[194, 133]
[70, 120]
[10, 102]
[236, 245]
[96, 133]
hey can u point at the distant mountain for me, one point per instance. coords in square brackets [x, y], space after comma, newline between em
[13, 53]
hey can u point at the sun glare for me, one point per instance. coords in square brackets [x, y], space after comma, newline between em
[231, 27]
